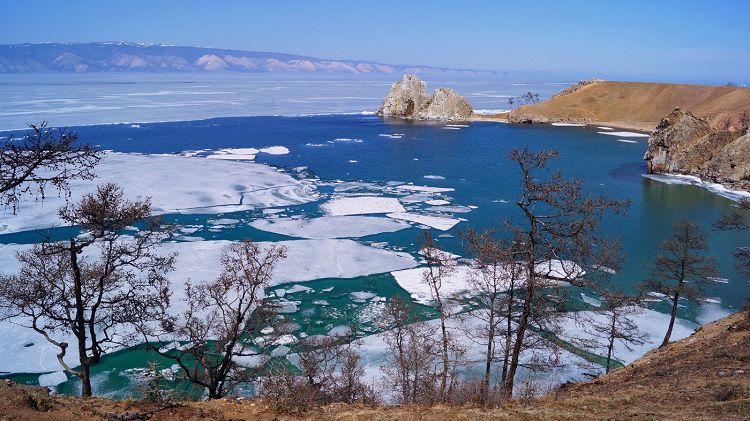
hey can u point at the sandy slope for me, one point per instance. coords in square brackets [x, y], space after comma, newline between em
[639, 105]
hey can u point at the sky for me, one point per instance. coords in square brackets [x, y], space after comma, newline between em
[659, 40]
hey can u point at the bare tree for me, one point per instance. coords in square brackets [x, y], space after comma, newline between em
[511, 102]
[329, 371]
[40, 158]
[221, 320]
[94, 286]
[412, 354]
[495, 278]
[558, 228]
[681, 270]
[737, 221]
[440, 265]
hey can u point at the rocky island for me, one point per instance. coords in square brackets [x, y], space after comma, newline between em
[408, 99]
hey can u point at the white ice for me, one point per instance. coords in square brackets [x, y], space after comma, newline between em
[361, 205]
[425, 189]
[627, 141]
[197, 261]
[185, 184]
[434, 177]
[437, 222]
[52, 379]
[625, 134]
[275, 150]
[650, 322]
[716, 188]
[330, 226]
[568, 124]
[437, 202]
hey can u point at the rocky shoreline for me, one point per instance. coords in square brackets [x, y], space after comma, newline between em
[714, 147]
[685, 144]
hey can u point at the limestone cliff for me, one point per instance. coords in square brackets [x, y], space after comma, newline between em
[685, 144]
[408, 99]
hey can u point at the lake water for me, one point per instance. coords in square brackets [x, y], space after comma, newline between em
[360, 154]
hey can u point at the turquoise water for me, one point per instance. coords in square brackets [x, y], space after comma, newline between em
[469, 160]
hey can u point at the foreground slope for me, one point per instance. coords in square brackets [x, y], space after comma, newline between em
[703, 377]
[638, 105]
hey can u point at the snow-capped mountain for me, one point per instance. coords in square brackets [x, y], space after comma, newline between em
[129, 56]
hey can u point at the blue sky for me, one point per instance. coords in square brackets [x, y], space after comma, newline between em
[641, 40]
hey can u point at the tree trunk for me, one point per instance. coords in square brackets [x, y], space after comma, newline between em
[488, 360]
[80, 322]
[675, 301]
[612, 333]
[446, 363]
[85, 380]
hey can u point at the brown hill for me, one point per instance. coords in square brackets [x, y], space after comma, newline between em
[703, 377]
[639, 105]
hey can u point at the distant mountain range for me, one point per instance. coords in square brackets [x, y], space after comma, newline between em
[129, 56]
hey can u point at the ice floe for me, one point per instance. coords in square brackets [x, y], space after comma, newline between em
[185, 184]
[275, 150]
[330, 226]
[52, 379]
[425, 189]
[716, 188]
[438, 222]
[361, 205]
[457, 281]
[562, 124]
[247, 154]
[434, 177]
[437, 202]
[625, 134]
[627, 141]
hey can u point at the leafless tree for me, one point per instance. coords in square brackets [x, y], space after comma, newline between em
[42, 157]
[681, 270]
[221, 321]
[440, 265]
[496, 277]
[556, 233]
[94, 286]
[329, 371]
[737, 220]
[413, 354]
[617, 324]
[511, 102]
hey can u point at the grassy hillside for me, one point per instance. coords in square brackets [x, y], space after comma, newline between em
[703, 377]
[639, 105]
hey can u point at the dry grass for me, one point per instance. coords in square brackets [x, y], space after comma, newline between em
[640, 106]
[703, 377]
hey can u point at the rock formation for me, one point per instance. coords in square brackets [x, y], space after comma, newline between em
[685, 144]
[408, 99]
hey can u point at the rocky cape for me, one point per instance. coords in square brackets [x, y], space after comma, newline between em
[685, 144]
[408, 99]
[638, 105]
